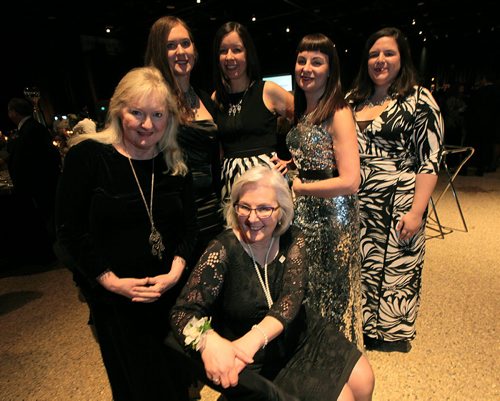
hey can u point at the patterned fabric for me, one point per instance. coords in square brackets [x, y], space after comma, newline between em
[405, 140]
[233, 167]
[331, 227]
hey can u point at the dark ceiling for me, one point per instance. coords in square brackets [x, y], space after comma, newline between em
[64, 47]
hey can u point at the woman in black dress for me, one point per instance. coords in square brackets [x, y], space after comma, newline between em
[171, 49]
[249, 286]
[247, 108]
[125, 226]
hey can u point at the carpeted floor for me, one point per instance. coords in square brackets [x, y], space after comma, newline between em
[48, 353]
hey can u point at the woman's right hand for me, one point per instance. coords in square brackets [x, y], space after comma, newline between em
[222, 360]
[137, 289]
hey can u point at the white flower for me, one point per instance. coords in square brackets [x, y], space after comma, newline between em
[194, 331]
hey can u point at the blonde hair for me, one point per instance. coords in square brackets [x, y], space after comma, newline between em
[140, 83]
[256, 175]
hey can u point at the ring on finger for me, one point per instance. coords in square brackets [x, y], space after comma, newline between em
[216, 381]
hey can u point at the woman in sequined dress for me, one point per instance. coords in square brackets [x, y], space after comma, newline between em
[400, 134]
[247, 107]
[324, 149]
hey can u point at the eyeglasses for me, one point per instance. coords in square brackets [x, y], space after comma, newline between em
[262, 212]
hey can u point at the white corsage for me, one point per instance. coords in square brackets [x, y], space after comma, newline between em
[195, 332]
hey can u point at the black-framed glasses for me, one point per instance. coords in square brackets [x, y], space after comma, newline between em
[262, 212]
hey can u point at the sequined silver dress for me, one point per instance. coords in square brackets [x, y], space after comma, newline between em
[331, 227]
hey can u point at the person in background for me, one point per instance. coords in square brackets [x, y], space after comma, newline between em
[34, 166]
[126, 224]
[325, 151]
[249, 286]
[400, 134]
[84, 126]
[247, 108]
[171, 49]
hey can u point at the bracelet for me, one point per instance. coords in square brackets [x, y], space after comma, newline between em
[266, 339]
[195, 332]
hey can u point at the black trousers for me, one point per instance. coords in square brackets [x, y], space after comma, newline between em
[131, 337]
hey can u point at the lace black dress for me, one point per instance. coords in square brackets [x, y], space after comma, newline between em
[309, 361]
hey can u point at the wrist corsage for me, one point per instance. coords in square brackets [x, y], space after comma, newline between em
[195, 332]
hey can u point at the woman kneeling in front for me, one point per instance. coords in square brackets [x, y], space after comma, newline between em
[242, 308]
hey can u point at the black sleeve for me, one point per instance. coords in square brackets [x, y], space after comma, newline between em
[73, 198]
[202, 289]
[286, 308]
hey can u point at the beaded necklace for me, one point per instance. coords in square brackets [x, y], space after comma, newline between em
[264, 282]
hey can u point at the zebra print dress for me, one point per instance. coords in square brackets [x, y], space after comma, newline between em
[405, 140]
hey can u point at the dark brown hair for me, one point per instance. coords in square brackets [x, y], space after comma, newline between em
[333, 97]
[406, 79]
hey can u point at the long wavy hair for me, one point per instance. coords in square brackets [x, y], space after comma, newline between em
[407, 78]
[221, 83]
[333, 97]
[141, 83]
[156, 55]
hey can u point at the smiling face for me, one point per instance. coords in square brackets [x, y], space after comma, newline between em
[384, 61]
[144, 122]
[232, 56]
[180, 51]
[253, 228]
[311, 72]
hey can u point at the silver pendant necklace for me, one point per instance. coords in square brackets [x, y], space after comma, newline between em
[236, 108]
[192, 99]
[370, 104]
[155, 239]
[264, 282]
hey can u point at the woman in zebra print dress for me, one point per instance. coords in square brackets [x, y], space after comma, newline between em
[247, 107]
[400, 133]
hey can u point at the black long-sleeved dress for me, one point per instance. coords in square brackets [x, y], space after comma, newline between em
[310, 360]
[102, 223]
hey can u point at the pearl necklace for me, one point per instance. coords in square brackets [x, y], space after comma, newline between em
[264, 283]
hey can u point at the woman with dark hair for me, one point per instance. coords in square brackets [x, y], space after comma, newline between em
[247, 108]
[400, 134]
[324, 149]
[172, 50]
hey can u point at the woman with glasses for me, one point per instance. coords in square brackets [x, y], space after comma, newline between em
[241, 315]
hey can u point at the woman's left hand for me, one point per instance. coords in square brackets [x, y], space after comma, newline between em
[280, 165]
[409, 225]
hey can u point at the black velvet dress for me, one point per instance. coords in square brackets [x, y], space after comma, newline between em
[102, 224]
[309, 361]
